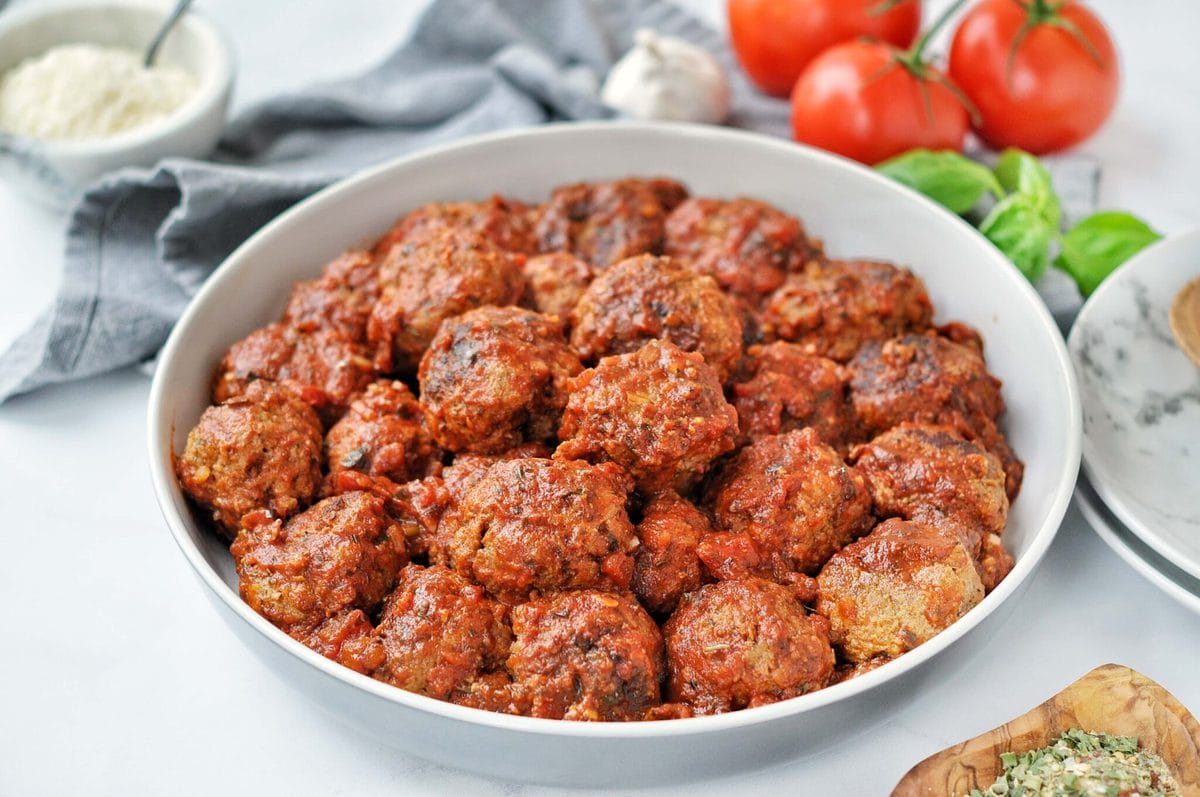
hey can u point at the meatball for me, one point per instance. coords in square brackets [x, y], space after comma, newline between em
[434, 274]
[347, 638]
[340, 299]
[916, 471]
[341, 553]
[646, 298]
[383, 434]
[781, 388]
[554, 282]
[746, 245]
[832, 309]
[467, 469]
[929, 379]
[541, 525]
[323, 367]
[666, 565]
[658, 412]
[606, 222]
[496, 377]
[439, 632]
[261, 450]
[587, 655]
[896, 588]
[744, 643]
[504, 222]
[794, 496]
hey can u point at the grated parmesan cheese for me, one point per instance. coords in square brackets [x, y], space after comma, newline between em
[80, 91]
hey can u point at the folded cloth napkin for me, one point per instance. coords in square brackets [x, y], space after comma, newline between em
[140, 243]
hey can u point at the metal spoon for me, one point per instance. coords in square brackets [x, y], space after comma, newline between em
[152, 51]
[1185, 320]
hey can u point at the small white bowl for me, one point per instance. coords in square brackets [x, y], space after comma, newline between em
[54, 170]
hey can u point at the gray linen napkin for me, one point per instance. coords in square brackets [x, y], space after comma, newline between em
[140, 243]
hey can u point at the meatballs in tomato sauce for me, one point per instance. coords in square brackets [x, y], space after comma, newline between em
[505, 222]
[383, 434]
[554, 282]
[666, 565]
[340, 299]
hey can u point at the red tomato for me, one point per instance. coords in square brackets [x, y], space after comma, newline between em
[1055, 92]
[775, 39]
[857, 99]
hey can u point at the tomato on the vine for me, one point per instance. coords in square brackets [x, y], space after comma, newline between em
[775, 39]
[1042, 74]
[870, 101]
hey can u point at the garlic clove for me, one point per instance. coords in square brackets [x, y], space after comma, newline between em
[668, 79]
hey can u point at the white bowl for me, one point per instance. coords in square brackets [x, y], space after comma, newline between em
[856, 211]
[54, 170]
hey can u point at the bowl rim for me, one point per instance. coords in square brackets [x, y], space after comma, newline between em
[164, 484]
[212, 85]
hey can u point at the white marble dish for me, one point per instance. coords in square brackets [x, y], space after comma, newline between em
[1141, 401]
[857, 212]
[1141, 557]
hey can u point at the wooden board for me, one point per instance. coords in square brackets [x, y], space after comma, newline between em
[1110, 699]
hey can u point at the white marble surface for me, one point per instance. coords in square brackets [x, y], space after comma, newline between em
[117, 677]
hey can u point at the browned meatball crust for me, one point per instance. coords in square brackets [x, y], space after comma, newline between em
[792, 495]
[437, 273]
[646, 298]
[744, 643]
[383, 434]
[780, 388]
[341, 553]
[496, 377]
[554, 282]
[666, 565]
[833, 308]
[896, 588]
[606, 222]
[658, 412]
[340, 299]
[505, 222]
[748, 246]
[261, 450]
[322, 367]
[467, 469]
[587, 655]
[540, 525]
[929, 379]
[916, 471]
[439, 632]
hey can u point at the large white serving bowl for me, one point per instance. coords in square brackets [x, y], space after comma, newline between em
[856, 211]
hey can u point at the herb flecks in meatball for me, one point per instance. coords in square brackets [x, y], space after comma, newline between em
[260, 450]
[782, 388]
[434, 274]
[648, 298]
[538, 526]
[744, 643]
[587, 655]
[439, 632]
[658, 412]
[793, 496]
[667, 566]
[383, 434]
[748, 246]
[929, 379]
[896, 588]
[606, 222]
[341, 553]
[495, 378]
[832, 309]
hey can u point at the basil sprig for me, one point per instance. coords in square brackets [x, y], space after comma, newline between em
[1025, 223]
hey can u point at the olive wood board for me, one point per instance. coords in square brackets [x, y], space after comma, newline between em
[1111, 699]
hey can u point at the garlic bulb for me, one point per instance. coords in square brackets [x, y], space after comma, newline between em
[668, 79]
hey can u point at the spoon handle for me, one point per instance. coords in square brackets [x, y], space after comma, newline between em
[152, 51]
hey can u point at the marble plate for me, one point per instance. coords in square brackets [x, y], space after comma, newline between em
[1137, 554]
[1141, 401]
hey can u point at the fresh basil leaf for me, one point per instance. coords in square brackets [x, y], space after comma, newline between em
[1019, 229]
[1022, 173]
[951, 180]
[1094, 247]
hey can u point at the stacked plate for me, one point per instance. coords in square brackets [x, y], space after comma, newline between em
[1141, 419]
